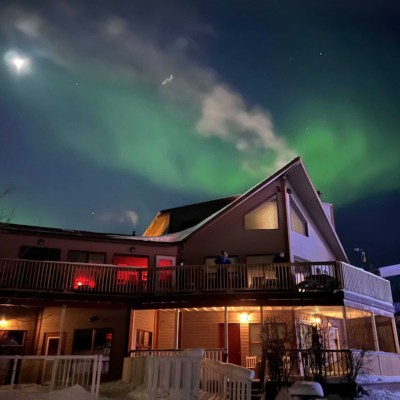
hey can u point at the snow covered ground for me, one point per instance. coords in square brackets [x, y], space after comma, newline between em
[119, 390]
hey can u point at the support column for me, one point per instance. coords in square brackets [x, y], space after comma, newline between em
[346, 338]
[176, 330]
[59, 347]
[226, 341]
[132, 336]
[374, 332]
[262, 316]
[395, 336]
[62, 319]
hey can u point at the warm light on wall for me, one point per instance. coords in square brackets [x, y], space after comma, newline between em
[3, 323]
[244, 317]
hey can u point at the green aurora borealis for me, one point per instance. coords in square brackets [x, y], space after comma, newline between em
[90, 133]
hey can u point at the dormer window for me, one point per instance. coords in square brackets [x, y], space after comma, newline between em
[264, 216]
[297, 220]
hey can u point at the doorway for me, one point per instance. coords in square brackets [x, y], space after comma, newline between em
[234, 353]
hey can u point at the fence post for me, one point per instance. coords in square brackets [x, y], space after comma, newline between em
[14, 370]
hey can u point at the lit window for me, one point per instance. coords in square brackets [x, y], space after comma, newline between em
[264, 216]
[126, 276]
[297, 221]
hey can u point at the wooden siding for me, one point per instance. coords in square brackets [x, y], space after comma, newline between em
[144, 320]
[166, 328]
[78, 318]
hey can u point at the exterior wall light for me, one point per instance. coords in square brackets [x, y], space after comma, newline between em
[244, 318]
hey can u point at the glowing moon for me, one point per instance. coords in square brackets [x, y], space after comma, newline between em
[18, 63]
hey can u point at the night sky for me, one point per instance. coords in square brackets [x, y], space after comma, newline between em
[113, 110]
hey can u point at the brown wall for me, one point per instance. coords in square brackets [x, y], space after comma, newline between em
[228, 233]
[78, 318]
[10, 244]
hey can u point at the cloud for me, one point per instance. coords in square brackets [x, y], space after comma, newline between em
[226, 115]
[116, 49]
[119, 217]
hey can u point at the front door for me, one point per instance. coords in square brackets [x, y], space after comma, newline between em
[234, 354]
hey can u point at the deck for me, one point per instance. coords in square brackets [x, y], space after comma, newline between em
[251, 282]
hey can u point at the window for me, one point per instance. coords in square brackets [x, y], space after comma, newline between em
[264, 216]
[11, 342]
[39, 253]
[144, 340]
[92, 341]
[128, 277]
[89, 257]
[297, 220]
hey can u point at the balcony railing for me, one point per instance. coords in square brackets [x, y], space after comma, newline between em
[27, 275]
[111, 279]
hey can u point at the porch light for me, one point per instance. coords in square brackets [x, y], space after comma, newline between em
[244, 317]
[3, 322]
[317, 320]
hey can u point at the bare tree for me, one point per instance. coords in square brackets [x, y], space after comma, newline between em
[277, 340]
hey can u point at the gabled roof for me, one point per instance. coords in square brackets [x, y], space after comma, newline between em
[298, 177]
[180, 218]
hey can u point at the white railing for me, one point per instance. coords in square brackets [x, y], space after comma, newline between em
[55, 372]
[66, 277]
[168, 377]
[366, 283]
[211, 354]
[220, 381]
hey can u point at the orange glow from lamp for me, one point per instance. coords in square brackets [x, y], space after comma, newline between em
[3, 323]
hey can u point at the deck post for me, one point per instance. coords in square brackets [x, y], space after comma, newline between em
[262, 316]
[226, 333]
[395, 337]
[176, 330]
[59, 347]
[346, 339]
[374, 332]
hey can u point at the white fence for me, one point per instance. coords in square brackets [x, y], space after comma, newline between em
[55, 372]
[220, 381]
[167, 377]
[180, 376]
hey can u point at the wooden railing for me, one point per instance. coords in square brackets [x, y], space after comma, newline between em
[117, 280]
[210, 354]
[53, 372]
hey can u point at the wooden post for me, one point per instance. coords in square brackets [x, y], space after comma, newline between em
[346, 338]
[59, 347]
[226, 342]
[395, 337]
[176, 330]
[374, 332]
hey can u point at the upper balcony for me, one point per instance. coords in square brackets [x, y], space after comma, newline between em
[285, 283]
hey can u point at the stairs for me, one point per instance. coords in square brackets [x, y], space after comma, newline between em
[256, 390]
